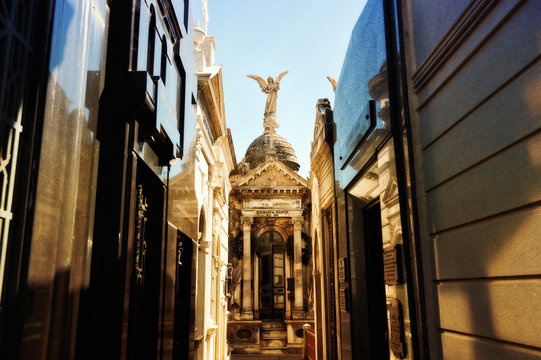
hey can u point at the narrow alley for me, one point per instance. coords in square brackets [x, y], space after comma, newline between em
[274, 180]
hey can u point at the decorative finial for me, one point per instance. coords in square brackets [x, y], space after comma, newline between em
[205, 15]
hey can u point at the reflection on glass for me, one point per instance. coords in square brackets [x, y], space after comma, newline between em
[363, 78]
[265, 274]
[378, 184]
[265, 302]
[272, 280]
[279, 301]
[63, 220]
[368, 187]
[278, 269]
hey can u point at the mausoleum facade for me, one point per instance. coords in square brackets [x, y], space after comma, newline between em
[270, 249]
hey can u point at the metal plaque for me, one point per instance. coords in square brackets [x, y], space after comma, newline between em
[342, 285]
[343, 294]
[392, 268]
[342, 270]
[396, 324]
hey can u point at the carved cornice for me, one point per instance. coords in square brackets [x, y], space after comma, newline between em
[326, 197]
[320, 153]
[322, 163]
[319, 135]
[210, 93]
[390, 194]
[465, 25]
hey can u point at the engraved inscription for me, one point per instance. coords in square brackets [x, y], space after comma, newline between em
[272, 212]
[342, 270]
[391, 266]
[271, 204]
[342, 299]
[343, 290]
[396, 329]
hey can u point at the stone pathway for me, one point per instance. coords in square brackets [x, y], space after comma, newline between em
[266, 357]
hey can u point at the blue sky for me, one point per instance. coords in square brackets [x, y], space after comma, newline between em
[265, 37]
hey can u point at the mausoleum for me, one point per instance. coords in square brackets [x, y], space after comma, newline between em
[271, 274]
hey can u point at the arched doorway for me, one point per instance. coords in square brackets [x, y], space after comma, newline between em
[272, 303]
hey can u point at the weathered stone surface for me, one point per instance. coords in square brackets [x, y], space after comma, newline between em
[258, 152]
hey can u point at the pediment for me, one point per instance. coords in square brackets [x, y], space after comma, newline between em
[390, 194]
[272, 173]
[210, 86]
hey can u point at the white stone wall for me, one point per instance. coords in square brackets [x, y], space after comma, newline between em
[214, 160]
[475, 75]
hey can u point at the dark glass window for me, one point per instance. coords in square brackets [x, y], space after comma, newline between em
[151, 40]
[363, 79]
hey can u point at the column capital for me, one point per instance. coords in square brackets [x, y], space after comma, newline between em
[246, 221]
[297, 221]
[204, 246]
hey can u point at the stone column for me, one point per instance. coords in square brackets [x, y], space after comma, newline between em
[298, 308]
[247, 307]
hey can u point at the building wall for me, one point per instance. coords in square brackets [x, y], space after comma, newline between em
[474, 76]
[322, 191]
[214, 159]
[65, 188]
[108, 121]
[271, 199]
[378, 308]
[24, 49]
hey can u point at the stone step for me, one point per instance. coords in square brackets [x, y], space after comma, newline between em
[273, 325]
[294, 349]
[273, 343]
[274, 350]
[273, 334]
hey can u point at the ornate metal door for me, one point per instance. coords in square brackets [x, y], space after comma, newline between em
[146, 269]
[16, 50]
[184, 304]
[271, 276]
[24, 30]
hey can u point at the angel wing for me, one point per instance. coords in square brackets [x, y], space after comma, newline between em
[333, 83]
[262, 83]
[281, 76]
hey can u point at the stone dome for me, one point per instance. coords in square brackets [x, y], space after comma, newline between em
[259, 150]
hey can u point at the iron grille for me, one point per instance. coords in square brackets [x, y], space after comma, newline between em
[15, 53]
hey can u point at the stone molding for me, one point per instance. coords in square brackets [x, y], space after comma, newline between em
[466, 24]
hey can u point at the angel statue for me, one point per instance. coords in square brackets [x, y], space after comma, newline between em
[270, 88]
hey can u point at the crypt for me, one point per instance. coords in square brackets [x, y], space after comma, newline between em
[270, 250]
